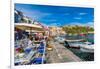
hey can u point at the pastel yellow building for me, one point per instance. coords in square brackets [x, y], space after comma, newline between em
[56, 31]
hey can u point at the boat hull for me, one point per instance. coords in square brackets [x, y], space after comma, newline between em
[87, 50]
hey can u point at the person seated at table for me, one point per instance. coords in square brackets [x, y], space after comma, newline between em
[36, 38]
[30, 42]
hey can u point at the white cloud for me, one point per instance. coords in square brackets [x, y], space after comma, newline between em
[91, 24]
[75, 23]
[53, 24]
[82, 13]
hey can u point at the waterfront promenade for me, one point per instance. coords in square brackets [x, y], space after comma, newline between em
[60, 54]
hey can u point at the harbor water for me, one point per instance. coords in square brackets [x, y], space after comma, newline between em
[83, 55]
[89, 37]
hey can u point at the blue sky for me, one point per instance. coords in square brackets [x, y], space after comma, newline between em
[58, 15]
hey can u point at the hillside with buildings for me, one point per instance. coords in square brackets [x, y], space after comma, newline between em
[78, 29]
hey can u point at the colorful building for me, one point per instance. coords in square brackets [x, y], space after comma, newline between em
[56, 31]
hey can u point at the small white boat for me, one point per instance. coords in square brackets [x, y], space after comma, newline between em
[84, 47]
[72, 44]
[87, 48]
[60, 39]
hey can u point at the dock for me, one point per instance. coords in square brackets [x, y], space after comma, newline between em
[60, 54]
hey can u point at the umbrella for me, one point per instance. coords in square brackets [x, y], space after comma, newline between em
[25, 26]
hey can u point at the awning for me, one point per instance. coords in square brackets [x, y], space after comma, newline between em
[25, 26]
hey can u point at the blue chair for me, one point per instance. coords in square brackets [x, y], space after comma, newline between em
[41, 51]
[41, 47]
[41, 44]
[38, 60]
[27, 50]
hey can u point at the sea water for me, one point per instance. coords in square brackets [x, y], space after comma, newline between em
[83, 55]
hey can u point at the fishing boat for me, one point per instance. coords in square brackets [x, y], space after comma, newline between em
[83, 46]
[60, 39]
[87, 47]
[72, 44]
